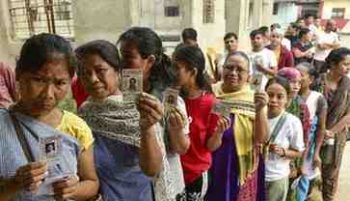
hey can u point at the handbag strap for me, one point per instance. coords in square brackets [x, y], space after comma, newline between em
[277, 128]
[22, 139]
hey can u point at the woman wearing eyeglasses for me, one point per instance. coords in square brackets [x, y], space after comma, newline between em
[235, 170]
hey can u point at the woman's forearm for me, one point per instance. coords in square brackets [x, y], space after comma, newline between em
[215, 141]
[321, 132]
[150, 153]
[89, 183]
[179, 142]
[86, 189]
[292, 154]
[340, 126]
[261, 127]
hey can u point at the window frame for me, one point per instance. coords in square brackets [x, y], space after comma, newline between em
[338, 13]
[171, 11]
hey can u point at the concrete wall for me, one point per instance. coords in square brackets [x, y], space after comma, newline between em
[211, 34]
[164, 23]
[107, 19]
[327, 13]
[103, 20]
[242, 16]
[330, 4]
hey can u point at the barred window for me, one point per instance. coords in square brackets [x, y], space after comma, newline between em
[171, 8]
[29, 17]
[338, 13]
[208, 11]
[171, 11]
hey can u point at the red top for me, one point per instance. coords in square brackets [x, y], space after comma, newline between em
[202, 124]
[78, 91]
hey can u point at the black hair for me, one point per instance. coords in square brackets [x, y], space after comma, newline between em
[336, 56]
[307, 15]
[42, 48]
[106, 50]
[230, 35]
[194, 58]
[281, 81]
[189, 33]
[264, 29]
[133, 80]
[255, 33]
[239, 53]
[295, 25]
[299, 19]
[275, 26]
[149, 43]
[303, 31]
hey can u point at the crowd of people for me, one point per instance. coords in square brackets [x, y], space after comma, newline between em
[283, 139]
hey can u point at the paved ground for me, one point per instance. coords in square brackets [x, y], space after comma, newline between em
[344, 185]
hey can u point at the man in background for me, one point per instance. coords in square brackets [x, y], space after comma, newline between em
[189, 37]
[231, 45]
[263, 60]
[325, 42]
[284, 56]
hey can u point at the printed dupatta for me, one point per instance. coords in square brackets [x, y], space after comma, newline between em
[119, 120]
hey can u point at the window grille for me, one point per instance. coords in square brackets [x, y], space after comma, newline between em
[29, 17]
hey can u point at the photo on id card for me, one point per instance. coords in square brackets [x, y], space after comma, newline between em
[58, 167]
[256, 82]
[50, 148]
[131, 84]
[170, 96]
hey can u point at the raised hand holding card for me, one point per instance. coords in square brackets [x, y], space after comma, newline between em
[131, 84]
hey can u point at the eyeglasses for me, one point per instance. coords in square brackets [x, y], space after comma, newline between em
[237, 69]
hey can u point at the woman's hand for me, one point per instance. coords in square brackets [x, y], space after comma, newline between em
[66, 188]
[175, 120]
[260, 99]
[222, 125]
[329, 135]
[278, 150]
[215, 141]
[317, 161]
[30, 176]
[151, 111]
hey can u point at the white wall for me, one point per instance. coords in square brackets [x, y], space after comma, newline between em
[209, 34]
[164, 23]
[287, 13]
